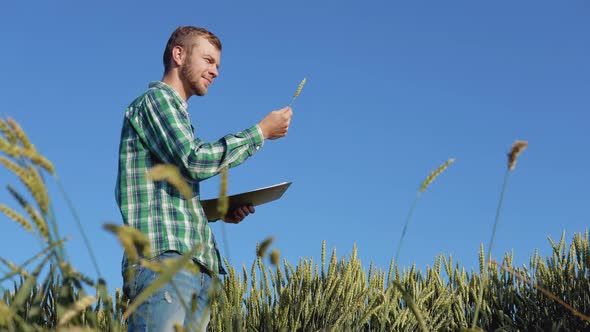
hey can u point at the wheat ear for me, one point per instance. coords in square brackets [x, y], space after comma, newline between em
[298, 91]
[7, 131]
[435, 173]
[423, 187]
[38, 189]
[20, 134]
[544, 291]
[38, 220]
[8, 148]
[31, 180]
[21, 220]
[275, 257]
[133, 241]
[170, 174]
[19, 171]
[36, 158]
[76, 309]
[261, 250]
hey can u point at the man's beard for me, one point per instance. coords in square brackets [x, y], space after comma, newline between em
[186, 74]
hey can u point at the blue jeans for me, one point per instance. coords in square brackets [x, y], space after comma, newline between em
[164, 308]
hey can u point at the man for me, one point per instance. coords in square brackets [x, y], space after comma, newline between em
[157, 130]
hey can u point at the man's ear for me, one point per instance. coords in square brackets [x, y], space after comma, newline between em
[178, 55]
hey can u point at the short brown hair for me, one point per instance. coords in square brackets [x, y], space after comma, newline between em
[184, 36]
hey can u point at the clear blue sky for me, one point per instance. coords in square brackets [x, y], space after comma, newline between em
[393, 90]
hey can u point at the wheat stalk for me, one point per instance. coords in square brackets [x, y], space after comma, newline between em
[170, 174]
[7, 131]
[19, 171]
[29, 175]
[423, 187]
[544, 291]
[20, 270]
[8, 148]
[223, 207]
[223, 204]
[36, 158]
[434, 174]
[31, 179]
[36, 217]
[275, 257]
[76, 309]
[69, 271]
[20, 134]
[516, 149]
[14, 269]
[162, 279]
[261, 250]
[37, 187]
[133, 241]
[21, 220]
[15, 133]
[6, 314]
[298, 91]
[164, 264]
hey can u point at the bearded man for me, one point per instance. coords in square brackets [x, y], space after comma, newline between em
[157, 130]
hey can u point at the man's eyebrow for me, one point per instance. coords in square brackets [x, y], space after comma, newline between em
[212, 58]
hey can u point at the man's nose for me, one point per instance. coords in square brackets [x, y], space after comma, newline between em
[214, 71]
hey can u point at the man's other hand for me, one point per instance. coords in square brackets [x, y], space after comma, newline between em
[237, 214]
[276, 123]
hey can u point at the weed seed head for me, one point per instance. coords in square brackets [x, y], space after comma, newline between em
[517, 148]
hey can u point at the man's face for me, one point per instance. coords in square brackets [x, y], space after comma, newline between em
[199, 69]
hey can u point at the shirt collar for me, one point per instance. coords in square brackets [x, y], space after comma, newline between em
[169, 89]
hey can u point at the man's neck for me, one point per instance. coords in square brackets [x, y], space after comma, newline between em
[175, 83]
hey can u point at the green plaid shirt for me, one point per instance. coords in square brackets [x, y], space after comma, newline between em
[157, 130]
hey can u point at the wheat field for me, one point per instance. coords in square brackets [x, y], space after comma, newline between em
[333, 294]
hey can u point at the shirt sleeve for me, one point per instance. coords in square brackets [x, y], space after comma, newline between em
[168, 134]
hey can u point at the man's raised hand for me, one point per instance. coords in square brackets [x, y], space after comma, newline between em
[276, 123]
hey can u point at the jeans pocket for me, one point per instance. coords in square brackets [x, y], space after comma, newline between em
[130, 281]
[137, 277]
[143, 278]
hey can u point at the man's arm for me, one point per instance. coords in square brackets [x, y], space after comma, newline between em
[167, 133]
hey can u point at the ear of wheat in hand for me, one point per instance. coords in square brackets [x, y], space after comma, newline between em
[298, 91]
